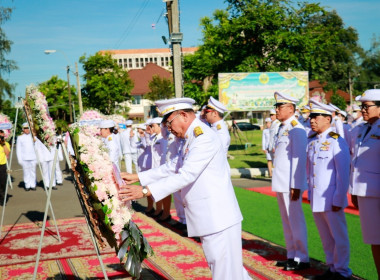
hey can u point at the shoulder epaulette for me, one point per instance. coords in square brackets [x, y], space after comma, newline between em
[218, 126]
[334, 135]
[198, 131]
[313, 135]
[294, 123]
[109, 138]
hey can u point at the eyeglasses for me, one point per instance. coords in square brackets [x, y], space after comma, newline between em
[168, 124]
[280, 106]
[366, 107]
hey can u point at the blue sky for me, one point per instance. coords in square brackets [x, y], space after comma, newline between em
[82, 27]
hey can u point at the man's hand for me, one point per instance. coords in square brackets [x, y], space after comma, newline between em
[131, 192]
[295, 194]
[354, 200]
[336, 208]
[129, 178]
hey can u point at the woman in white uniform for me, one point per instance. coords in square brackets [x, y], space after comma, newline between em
[365, 171]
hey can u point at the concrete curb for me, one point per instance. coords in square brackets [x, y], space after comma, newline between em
[249, 172]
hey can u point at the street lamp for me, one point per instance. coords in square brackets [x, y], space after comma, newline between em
[76, 73]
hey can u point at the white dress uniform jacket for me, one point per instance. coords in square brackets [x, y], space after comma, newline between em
[365, 167]
[113, 149]
[273, 132]
[159, 148]
[203, 178]
[46, 156]
[221, 130]
[337, 126]
[289, 164]
[26, 157]
[144, 160]
[265, 141]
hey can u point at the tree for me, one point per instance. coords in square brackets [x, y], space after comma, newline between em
[6, 65]
[370, 69]
[272, 35]
[106, 83]
[338, 101]
[160, 88]
[57, 96]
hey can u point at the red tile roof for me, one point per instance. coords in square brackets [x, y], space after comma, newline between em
[142, 77]
[142, 51]
[317, 86]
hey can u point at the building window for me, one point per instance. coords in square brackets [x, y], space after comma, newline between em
[146, 61]
[136, 100]
[137, 63]
[125, 63]
[151, 59]
[162, 62]
[130, 65]
[155, 60]
[166, 61]
[142, 62]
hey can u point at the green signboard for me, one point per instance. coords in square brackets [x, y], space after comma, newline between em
[255, 91]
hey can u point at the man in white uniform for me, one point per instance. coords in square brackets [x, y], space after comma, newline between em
[106, 132]
[289, 181]
[365, 171]
[126, 137]
[202, 174]
[26, 157]
[213, 114]
[328, 169]
[46, 158]
[265, 144]
[273, 131]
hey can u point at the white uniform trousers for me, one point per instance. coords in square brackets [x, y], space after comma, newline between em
[332, 229]
[58, 173]
[294, 225]
[47, 168]
[224, 254]
[128, 162]
[29, 172]
[179, 207]
[134, 160]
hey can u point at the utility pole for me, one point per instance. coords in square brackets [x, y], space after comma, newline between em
[175, 40]
[79, 90]
[69, 92]
[350, 86]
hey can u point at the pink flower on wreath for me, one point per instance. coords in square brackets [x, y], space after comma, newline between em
[101, 195]
[117, 228]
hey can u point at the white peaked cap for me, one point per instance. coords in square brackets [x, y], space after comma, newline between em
[216, 105]
[107, 124]
[370, 95]
[320, 108]
[167, 106]
[284, 98]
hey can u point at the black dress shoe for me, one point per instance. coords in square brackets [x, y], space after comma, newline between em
[338, 276]
[150, 212]
[285, 263]
[55, 188]
[27, 190]
[297, 266]
[180, 226]
[167, 219]
[157, 215]
[325, 276]
[33, 189]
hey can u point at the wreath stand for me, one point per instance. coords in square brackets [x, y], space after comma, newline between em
[83, 209]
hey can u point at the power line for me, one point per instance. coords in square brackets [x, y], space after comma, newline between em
[132, 24]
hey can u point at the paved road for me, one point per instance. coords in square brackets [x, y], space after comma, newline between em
[26, 206]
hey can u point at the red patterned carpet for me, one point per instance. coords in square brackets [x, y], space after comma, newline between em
[176, 257]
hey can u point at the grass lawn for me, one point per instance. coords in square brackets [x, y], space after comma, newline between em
[262, 218]
[253, 156]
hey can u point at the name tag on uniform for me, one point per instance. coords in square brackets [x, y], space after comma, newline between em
[286, 133]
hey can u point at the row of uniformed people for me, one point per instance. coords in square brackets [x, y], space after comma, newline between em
[29, 152]
[325, 171]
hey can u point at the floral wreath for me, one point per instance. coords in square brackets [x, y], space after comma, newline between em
[109, 217]
[37, 113]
